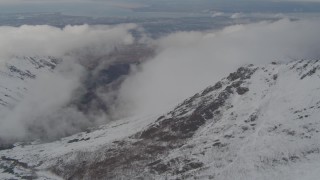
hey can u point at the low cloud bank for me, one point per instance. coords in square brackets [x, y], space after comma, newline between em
[187, 62]
[76, 41]
[45, 111]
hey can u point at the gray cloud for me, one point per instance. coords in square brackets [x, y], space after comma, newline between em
[51, 41]
[187, 62]
[44, 110]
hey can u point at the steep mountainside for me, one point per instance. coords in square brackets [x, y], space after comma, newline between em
[90, 91]
[17, 73]
[260, 122]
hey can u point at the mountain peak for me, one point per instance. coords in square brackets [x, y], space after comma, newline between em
[257, 120]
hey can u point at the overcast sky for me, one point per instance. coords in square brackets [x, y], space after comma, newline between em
[70, 7]
[124, 7]
[118, 3]
[128, 1]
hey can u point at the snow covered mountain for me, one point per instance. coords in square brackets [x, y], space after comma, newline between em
[260, 122]
[40, 93]
[16, 74]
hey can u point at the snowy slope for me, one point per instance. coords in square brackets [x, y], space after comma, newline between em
[260, 122]
[16, 74]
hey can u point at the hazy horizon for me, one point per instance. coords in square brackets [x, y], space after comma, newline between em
[138, 7]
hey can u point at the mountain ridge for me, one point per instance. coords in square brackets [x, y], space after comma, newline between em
[257, 123]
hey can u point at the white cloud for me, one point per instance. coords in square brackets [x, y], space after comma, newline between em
[187, 62]
[47, 40]
[236, 16]
[44, 111]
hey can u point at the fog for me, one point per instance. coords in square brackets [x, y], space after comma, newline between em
[45, 110]
[46, 40]
[184, 64]
[187, 62]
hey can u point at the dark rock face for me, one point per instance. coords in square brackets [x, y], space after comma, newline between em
[77, 140]
[145, 150]
[37, 62]
[218, 85]
[23, 74]
[242, 90]
[242, 73]
[50, 61]
[309, 73]
[165, 167]
[16, 163]
[4, 146]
